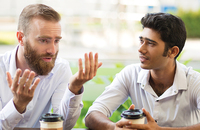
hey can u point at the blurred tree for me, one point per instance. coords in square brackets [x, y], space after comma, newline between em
[191, 20]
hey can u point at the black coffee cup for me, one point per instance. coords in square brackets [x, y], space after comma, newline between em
[51, 121]
[136, 116]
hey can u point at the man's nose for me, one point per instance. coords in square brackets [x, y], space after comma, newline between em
[52, 49]
[142, 48]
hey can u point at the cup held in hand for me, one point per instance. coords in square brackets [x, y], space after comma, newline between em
[136, 116]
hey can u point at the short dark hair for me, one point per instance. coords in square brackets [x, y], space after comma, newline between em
[36, 10]
[171, 29]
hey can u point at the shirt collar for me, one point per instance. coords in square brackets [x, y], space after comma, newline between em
[143, 77]
[13, 67]
[180, 79]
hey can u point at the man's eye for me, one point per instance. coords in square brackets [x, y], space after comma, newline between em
[141, 41]
[43, 40]
[57, 41]
[151, 43]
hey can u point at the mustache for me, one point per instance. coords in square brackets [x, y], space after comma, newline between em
[49, 55]
[143, 56]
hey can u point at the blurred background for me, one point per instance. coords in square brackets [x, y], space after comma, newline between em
[109, 27]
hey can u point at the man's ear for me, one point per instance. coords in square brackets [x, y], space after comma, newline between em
[173, 52]
[20, 36]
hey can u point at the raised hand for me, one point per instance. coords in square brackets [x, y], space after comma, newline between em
[22, 89]
[84, 75]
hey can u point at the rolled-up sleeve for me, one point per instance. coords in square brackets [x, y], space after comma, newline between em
[114, 95]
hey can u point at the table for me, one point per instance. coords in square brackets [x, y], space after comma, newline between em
[39, 129]
[26, 129]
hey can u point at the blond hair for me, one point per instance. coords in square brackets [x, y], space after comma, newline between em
[36, 10]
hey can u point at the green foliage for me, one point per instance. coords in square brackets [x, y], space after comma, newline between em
[184, 62]
[80, 122]
[187, 61]
[119, 65]
[191, 20]
[198, 70]
[180, 55]
[104, 77]
[98, 80]
[7, 38]
[116, 116]
[3, 42]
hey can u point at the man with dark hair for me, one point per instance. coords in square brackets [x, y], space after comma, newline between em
[167, 91]
[37, 80]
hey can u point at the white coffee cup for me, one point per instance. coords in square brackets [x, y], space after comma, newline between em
[136, 116]
[51, 121]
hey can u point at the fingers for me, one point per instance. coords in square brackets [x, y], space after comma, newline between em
[137, 126]
[9, 79]
[14, 86]
[99, 64]
[87, 64]
[32, 89]
[22, 84]
[91, 66]
[80, 69]
[132, 107]
[22, 92]
[96, 65]
[29, 81]
[148, 116]
[122, 123]
[91, 74]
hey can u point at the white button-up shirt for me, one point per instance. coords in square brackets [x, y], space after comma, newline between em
[178, 106]
[51, 92]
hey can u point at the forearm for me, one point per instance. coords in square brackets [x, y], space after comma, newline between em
[98, 121]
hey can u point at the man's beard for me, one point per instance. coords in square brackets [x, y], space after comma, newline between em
[35, 61]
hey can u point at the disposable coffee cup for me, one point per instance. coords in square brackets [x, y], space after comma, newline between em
[51, 121]
[136, 116]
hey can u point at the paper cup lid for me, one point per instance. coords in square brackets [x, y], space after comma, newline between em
[49, 117]
[133, 114]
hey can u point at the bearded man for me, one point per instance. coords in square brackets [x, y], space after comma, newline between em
[33, 80]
